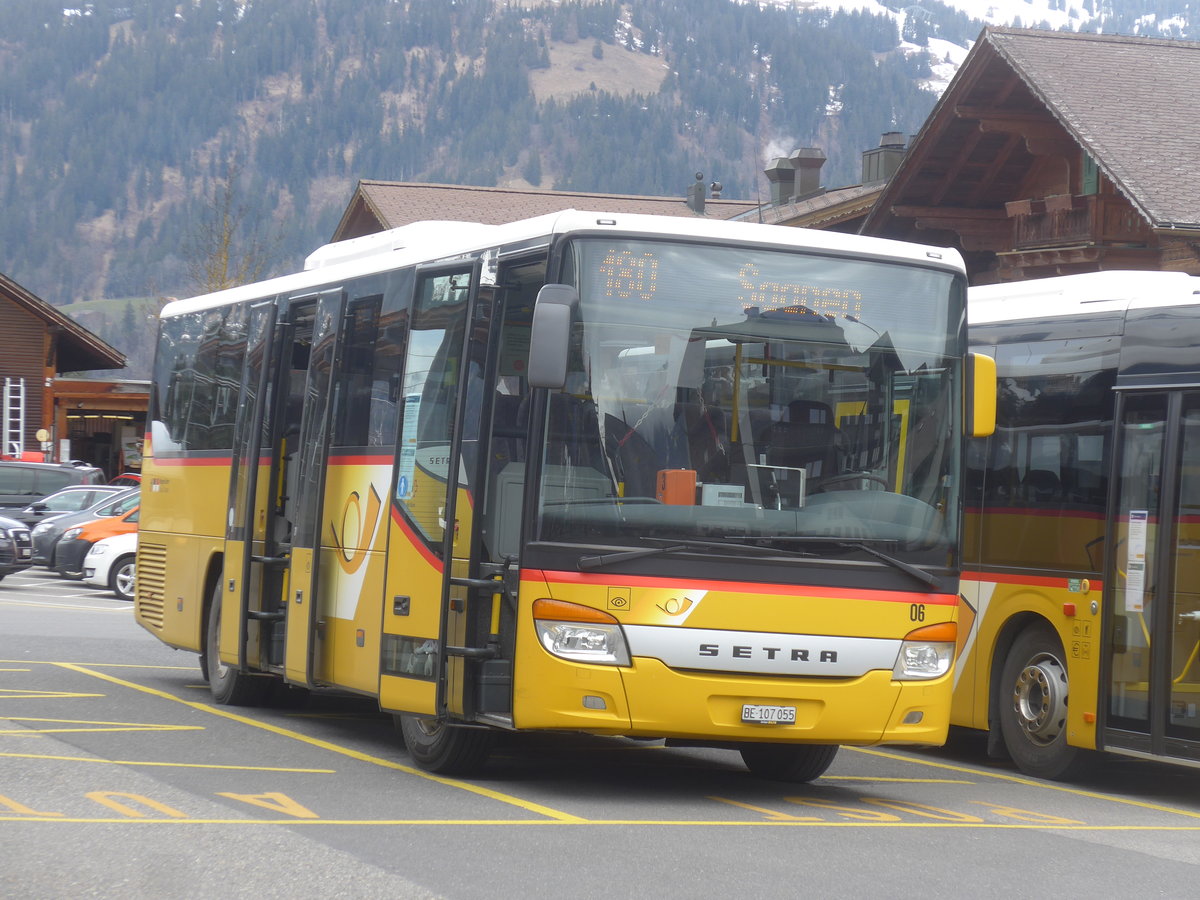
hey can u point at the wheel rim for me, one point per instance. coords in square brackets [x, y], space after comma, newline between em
[1040, 699]
[430, 728]
[124, 581]
[217, 669]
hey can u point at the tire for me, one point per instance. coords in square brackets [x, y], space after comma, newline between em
[120, 577]
[445, 749]
[229, 686]
[797, 763]
[1033, 703]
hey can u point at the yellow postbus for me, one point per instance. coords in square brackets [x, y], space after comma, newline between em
[1082, 590]
[621, 475]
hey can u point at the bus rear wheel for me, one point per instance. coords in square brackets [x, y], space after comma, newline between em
[445, 749]
[1033, 702]
[797, 763]
[229, 686]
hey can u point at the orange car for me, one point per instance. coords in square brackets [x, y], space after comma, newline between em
[77, 541]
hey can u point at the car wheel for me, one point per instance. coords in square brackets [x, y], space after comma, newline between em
[229, 686]
[797, 763]
[443, 748]
[1034, 698]
[120, 577]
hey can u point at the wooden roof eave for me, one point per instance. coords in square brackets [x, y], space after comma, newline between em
[919, 149]
[1097, 156]
[78, 350]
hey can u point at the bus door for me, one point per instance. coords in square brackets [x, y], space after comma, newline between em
[248, 595]
[1153, 584]
[307, 410]
[431, 541]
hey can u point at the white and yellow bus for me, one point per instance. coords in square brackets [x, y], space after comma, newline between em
[622, 475]
[1082, 612]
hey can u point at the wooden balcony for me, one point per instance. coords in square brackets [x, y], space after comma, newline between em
[1065, 220]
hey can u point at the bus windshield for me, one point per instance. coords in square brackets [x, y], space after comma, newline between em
[756, 394]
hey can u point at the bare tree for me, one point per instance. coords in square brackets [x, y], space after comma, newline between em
[228, 246]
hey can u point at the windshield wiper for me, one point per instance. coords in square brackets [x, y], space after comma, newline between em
[604, 559]
[907, 568]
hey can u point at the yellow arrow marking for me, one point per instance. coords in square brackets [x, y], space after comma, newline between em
[274, 802]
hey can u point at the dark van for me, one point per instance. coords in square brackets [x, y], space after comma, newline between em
[21, 483]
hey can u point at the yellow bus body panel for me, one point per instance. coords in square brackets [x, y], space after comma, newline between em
[181, 529]
[1066, 605]
[649, 699]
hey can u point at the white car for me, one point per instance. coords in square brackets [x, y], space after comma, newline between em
[110, 564]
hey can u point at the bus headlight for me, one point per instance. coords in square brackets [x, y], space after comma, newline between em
[580, 633]
[926, 653]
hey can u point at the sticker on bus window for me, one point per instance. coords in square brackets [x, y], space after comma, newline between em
[1135, 561]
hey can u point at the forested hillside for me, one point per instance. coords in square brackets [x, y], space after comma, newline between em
[120, 118]
[116, 118]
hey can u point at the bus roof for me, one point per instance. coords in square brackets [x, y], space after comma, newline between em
[430, 241]
[1090, 293]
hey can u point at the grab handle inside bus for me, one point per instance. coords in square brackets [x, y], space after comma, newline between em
[981, 395]
[549, 341]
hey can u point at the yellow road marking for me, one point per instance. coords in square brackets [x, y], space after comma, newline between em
[557, 815]
[170, 765]
[771, 814]
[54, 662]
[18, 694]
[1028, 782]
[96, 726]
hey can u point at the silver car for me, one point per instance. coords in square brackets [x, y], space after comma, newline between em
[47, 534]
[69, 500]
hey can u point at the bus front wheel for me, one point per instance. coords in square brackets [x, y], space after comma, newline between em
[442, 748]
[798, 763]
[1033, 698]
[229, 686]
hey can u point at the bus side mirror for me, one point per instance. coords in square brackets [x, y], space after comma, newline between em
[550, 338]
[980, 395]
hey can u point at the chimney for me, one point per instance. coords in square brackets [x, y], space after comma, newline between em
[807, 162]
[695, 195]
[782, 175]
[881, 163]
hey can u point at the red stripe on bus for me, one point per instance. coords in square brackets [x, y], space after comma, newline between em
[1027, 511]
[362, 459]
[743, 587]
[415, 539]
[1049, 581]
[194, 461]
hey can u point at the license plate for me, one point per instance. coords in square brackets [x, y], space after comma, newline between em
[769, 715]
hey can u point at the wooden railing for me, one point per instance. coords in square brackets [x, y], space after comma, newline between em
[1066, 220]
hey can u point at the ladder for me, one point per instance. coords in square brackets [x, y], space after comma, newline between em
[14, 418]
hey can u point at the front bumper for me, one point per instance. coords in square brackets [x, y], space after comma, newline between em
[69, 555]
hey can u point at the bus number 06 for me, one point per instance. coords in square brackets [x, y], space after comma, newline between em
[916, 612]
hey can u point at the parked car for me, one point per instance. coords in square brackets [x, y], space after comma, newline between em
[21, 483]
[68, 500]
[127, 479]
[77, 541]
[47, 533]
[110, 564]
[16, 549]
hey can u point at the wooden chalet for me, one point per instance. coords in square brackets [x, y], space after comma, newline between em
[1052, 153]
[79, 418]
